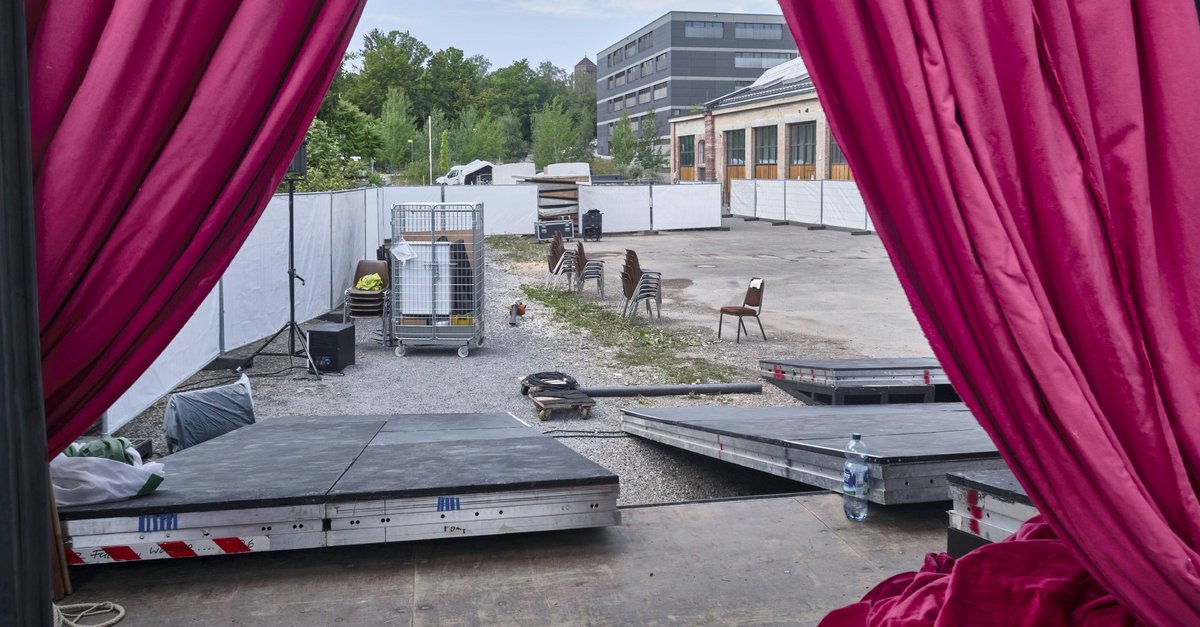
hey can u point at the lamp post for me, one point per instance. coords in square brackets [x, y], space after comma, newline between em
[412, 152]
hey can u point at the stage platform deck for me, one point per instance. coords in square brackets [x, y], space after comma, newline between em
[314, 481]
[988, 507]
[860, 381]
[910, 448]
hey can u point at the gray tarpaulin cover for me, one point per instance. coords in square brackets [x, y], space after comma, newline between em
[193, 417]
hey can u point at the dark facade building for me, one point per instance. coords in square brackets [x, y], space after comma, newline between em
[584, 69]
[681, 61]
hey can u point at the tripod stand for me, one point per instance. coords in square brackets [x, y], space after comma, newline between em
[295, 333]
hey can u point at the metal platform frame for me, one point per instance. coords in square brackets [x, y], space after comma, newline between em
[988, 505]
[355, 495]
[860, 381]
[805, 444]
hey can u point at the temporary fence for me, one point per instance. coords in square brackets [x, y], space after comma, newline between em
[334, 230]
[836, 204]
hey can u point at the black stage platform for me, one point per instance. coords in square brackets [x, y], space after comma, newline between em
[860, 381]
[989, 506]
[304, 482]
[910, 447]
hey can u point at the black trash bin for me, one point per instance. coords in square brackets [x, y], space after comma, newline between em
[593, 225]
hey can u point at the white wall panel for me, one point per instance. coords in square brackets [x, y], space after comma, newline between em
[347, 239]
[626, 208]
[804, 201]
[769, 199]
[844, 205]
[312, 256]
[256, 282]
[741, 197]
[690, 206]
[507, 209]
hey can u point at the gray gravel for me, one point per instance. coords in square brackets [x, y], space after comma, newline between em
[487, 381]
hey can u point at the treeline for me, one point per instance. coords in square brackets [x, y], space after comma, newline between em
[393, 100]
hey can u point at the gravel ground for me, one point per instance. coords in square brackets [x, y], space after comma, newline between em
[426, 381]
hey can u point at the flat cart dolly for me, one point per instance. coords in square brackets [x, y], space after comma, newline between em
[549, 400]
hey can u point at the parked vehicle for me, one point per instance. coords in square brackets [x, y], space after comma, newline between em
[477, 172]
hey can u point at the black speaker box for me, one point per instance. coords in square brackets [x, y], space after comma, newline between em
[331, 345]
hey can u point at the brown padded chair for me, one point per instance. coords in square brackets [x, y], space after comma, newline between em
[368, 303]
[751, 306]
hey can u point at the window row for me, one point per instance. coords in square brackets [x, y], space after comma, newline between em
[801, 152]
[741, 30]
[641, 96]
[760, 60]
[646, 68]
[643, 43]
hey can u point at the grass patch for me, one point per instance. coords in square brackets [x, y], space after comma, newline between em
[517, 249]
[637, 343]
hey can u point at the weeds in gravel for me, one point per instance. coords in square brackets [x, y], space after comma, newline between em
[637, 343]
[517, 249]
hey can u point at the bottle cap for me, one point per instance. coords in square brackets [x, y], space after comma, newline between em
[856, 436]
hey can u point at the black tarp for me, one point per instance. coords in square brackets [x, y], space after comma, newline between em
[463, 290]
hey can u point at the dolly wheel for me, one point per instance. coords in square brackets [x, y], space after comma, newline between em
[543, 414]
[400, 350]
[463, 351]
[585, 412]
[524, 390]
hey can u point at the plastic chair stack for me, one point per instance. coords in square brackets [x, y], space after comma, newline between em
[640, 286]
[360, 304]
[588, 269]
[560, 262]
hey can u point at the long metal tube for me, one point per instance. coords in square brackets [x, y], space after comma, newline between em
[676, 390]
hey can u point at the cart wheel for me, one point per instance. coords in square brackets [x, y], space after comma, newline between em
[400, 350]
[585, 412]
[463, 351]
[543, 414]
[524, 390]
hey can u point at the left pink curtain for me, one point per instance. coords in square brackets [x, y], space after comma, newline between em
[159, 131]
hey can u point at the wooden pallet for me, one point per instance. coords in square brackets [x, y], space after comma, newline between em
[548, 401]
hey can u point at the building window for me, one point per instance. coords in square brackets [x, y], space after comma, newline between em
[610, 82]
[741, 84]
[645, 42]
[735, 147]
[700, 152]
[630, 49]
[766, 147]
[758, 31]
[660, 91]
[635, 124]
[704, 30]
[839, 169]
[644, 96]
[802, 143]
[759, 60]
[687, 151]
[660, 62]
[617, 56]
[630, 100]
[620, 79]
[631, 74]
[647, 67]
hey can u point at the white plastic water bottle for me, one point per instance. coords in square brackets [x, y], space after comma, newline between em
[854, 480]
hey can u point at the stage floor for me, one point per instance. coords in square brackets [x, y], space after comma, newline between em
[910, 447]
[860, 381]
[314, 481]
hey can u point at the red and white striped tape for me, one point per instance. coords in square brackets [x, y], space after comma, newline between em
[167, 550]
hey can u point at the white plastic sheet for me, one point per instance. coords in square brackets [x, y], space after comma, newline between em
[507, 209]
[348, 239]
[803, 201]
[372, 218]
[741, 198]
[844, 205]
[690, 206]
[626, 208]
[196, 344]
[769, 199]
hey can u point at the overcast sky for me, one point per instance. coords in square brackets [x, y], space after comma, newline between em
[559, 31]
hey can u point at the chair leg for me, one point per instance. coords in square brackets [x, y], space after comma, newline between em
[720, 321]
[741, 327]
[760, 327]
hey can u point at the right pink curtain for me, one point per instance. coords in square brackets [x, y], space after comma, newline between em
[1033, 168]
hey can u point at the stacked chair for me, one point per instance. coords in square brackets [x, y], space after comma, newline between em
[588, 269]
[360, 304]
[560, 262]
[640, 286]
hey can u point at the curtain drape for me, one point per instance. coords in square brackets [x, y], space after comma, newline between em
[1031, 167]
[159, 132]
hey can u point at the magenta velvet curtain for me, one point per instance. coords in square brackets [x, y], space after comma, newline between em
[159, 132]
[1033, 168]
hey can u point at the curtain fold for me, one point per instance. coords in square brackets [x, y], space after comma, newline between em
[1030, 166]
[159, 130]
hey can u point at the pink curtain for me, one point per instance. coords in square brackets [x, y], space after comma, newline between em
[1033, 168]
[160, 130]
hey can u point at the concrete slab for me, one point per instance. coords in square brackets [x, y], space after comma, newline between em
[823, 282]
[775, 561]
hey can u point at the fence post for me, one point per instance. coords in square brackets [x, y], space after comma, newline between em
[821, 204]
[652, 206]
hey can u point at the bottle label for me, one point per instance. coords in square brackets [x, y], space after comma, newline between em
[854, 480]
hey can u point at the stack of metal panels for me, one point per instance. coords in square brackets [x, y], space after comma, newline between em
[910, 447]
[860, 381]
[989, 506]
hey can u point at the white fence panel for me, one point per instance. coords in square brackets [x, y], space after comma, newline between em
[626, 208]
[371, 219]
[312, 256]
[690, 206]
[741, 197]
[804, 201]
[844, 205]
[409, 193]
[769, 200]
[256, 282]
[196, 344]
[348, 239]
[507, 209]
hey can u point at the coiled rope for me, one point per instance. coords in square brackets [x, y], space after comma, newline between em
[70, 615]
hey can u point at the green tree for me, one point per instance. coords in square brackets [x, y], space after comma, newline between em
[394, 59]
[514, 147]
[398, 128]
[555, 136]
[431, 126]
[648, 153]
[476, 136]
[622, 144]
[444, 155]
[332, 162]
[451, 82]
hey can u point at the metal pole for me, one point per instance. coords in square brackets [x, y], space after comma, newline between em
[292, 265]
[429, 132]
[26, 548]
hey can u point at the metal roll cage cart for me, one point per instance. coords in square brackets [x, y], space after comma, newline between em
[437, 276]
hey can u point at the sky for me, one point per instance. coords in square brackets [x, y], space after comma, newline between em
[559, 31]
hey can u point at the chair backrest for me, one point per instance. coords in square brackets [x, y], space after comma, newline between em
[580, 258]
[754, 293]
[372, 266]
[627, 284]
